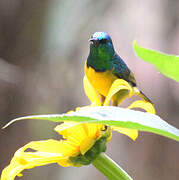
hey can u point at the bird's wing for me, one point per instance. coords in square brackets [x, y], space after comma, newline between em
[121, 70]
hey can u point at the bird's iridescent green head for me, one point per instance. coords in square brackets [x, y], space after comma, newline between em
[101, 51]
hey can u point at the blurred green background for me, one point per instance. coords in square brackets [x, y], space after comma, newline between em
[43, 47]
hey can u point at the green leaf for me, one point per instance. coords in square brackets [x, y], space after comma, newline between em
[165, 63]
[114, 116]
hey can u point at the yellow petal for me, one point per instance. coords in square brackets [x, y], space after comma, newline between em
[46, 152]
[78, 130]
[86, 144]
[147, 106]
[117, 86]
[132, 133]
[32, 160]
[74, 132]
[78, 108]
[93, 130]
[84, 107]
[65, 125]
[82, 135]
[91, 92]
[43, 146]
[120, 97]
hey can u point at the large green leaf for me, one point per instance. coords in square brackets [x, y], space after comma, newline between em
[115, 116]
[165, 63]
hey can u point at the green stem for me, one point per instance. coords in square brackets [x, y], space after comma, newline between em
[109, 168]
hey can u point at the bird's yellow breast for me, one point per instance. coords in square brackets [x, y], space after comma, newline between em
[101, 81]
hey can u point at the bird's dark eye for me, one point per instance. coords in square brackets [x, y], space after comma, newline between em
[103, 41]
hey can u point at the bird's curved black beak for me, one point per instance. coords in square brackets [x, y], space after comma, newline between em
[94, 41]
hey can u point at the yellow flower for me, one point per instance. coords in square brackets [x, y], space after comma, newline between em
[82, 143]
[127, 91]
[79, 139]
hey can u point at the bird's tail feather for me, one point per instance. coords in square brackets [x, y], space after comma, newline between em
[142, 95]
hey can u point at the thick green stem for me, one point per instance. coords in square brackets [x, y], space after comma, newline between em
[109, 168]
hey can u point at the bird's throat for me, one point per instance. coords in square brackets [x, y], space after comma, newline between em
[100, 62]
